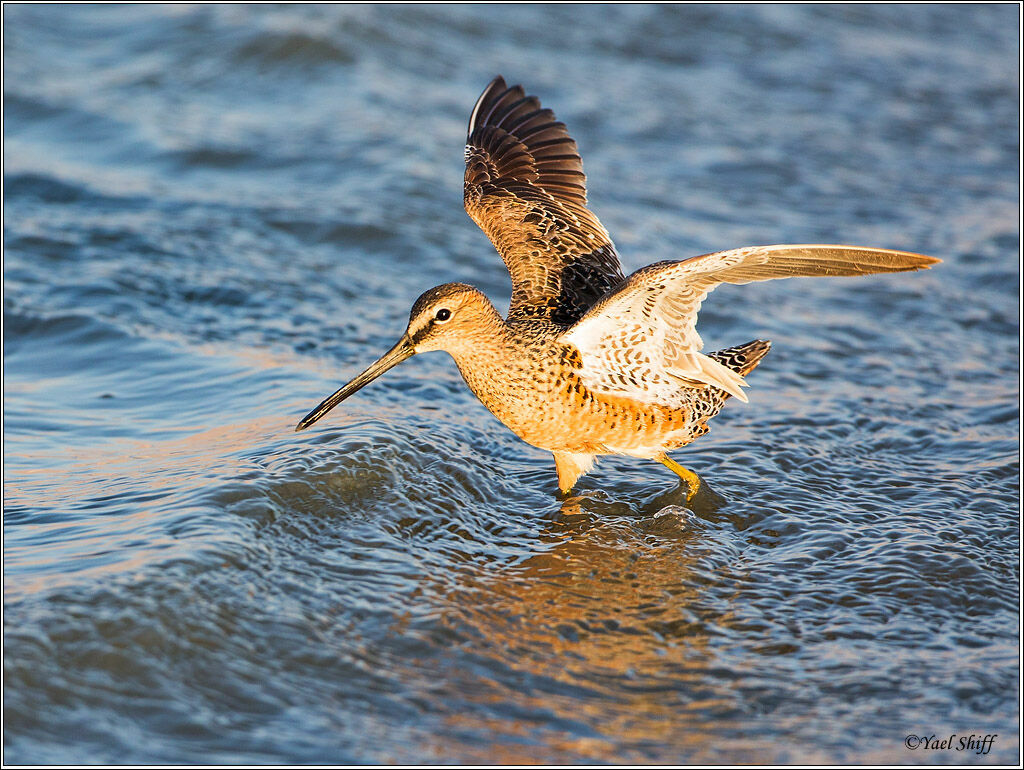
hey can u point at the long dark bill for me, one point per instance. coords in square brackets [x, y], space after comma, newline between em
[393, 357]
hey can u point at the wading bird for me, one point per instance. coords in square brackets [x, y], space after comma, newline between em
[588, 362]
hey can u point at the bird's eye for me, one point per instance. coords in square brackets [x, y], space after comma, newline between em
[442, 315]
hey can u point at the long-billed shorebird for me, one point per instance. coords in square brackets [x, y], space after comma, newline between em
[588, 362]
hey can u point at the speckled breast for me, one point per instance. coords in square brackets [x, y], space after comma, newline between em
[535, 390]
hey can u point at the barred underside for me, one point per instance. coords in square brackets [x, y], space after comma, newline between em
[641, 341]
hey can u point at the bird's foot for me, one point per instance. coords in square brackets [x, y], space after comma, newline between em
[691, 479]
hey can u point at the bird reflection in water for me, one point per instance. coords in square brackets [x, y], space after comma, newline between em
[597, 630]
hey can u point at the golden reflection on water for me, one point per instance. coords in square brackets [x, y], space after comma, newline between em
[184, 464]
[80, 478]
[599, 634]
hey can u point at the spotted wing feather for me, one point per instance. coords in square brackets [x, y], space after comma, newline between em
[641, 341]
[526, 190]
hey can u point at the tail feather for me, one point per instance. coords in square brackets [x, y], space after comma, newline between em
[742, 359]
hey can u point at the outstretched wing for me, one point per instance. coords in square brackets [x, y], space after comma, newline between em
[526, 189]
[642, 341]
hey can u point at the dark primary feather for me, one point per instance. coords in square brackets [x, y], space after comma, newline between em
[526, 190]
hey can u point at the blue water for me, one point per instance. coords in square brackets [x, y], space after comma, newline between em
[215, 215]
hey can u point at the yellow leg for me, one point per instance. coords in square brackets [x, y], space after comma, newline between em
[692, 479]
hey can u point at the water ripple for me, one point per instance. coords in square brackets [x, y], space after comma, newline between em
[214, 215]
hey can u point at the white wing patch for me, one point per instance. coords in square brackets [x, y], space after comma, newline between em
[641, 341]
[643, 344]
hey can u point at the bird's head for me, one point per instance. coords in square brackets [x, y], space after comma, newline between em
[449, 317]
[453, 317]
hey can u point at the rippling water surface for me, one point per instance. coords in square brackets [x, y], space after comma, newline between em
[215, 215]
